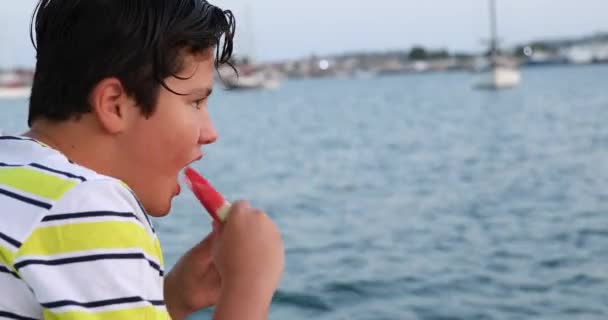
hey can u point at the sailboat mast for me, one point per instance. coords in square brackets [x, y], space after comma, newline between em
[249, 34]
[493, 32]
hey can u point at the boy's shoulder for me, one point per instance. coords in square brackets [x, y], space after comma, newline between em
[39, 183]
[26, 154]
[67, 230]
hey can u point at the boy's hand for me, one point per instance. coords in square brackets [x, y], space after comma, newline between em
[238, 267]
[194, 282]
[250, 259]
[249, 254]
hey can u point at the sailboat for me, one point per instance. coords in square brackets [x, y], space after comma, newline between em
[15, 85]
[251, 75]
[502, 72]
[15, 82]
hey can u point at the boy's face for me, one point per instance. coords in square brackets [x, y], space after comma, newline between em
[159, 147]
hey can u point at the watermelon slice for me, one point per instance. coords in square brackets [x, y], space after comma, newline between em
[213, 201]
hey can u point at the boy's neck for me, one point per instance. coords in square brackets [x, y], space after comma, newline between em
[80, 142]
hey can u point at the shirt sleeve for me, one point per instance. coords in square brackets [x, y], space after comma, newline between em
[95, 256]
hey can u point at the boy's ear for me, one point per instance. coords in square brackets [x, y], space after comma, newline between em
[110, 103]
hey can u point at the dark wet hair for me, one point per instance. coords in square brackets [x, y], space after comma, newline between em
[140, 42]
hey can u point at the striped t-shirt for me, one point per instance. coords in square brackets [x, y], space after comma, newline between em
[74, 244]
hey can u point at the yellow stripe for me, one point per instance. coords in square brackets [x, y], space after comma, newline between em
[159, 252]
[6, 256]
[149, 312]
[36, 182]
[76, 237]
[42, 144]
[124, 184]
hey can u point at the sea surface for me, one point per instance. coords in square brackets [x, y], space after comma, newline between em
[415, 196]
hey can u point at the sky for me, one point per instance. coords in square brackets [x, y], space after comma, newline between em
[278, 30]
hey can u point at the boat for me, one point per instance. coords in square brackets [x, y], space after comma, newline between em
[501, 72]
[251, 74]
[249, 77]
[15, 85]
[15, 92]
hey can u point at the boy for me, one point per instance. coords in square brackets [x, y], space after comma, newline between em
[117, 110]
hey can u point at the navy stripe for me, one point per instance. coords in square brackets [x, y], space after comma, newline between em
[10, 240]
[14, 316]
[16, 138]
[4, 269]
[67, 174]
[91, 214]
[101, 303]
[149, 222]
[2, 164]
[25, 199]
[88, 258]
[141, 207]
[156, 267]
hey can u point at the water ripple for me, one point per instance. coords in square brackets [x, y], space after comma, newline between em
[414, 197]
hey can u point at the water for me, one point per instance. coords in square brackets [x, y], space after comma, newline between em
[415, 197]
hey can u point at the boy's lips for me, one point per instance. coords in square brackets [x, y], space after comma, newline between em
[199, 157]
[178, 186]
